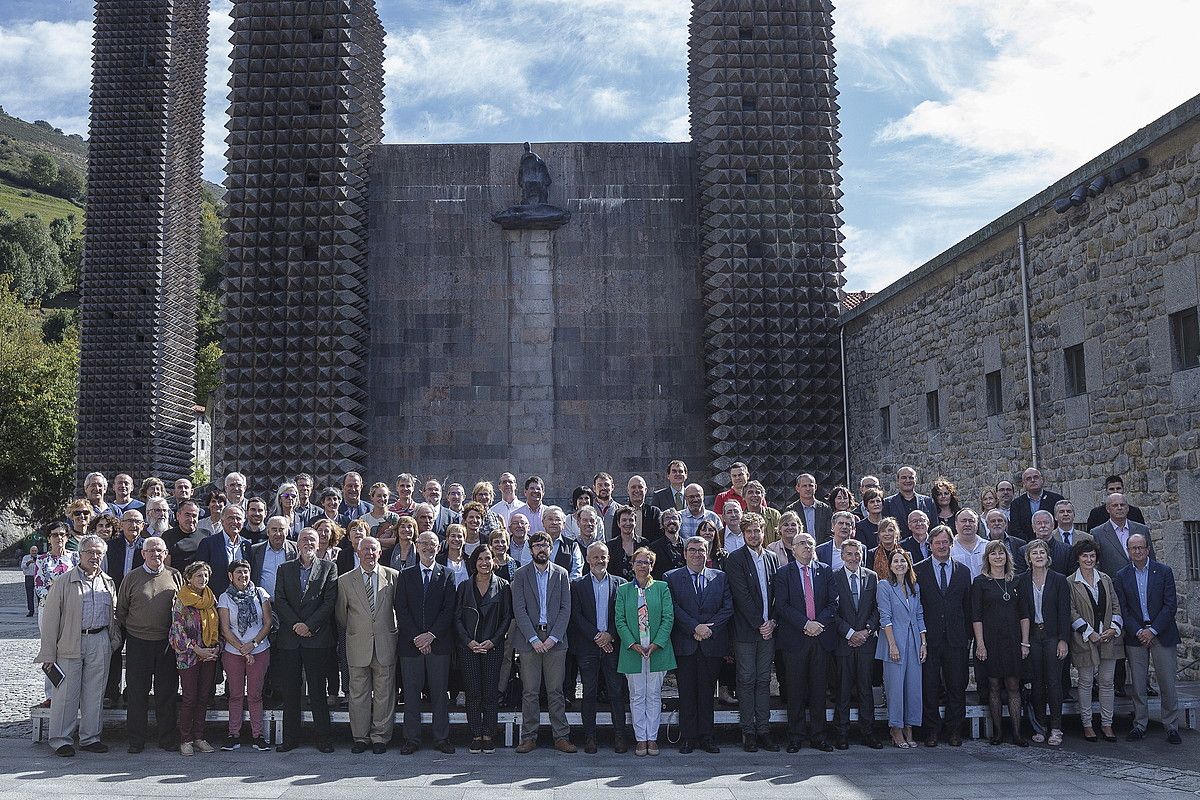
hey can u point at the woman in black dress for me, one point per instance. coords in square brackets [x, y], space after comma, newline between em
[1001, 636]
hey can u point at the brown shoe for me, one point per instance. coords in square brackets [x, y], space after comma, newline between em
[565, 746]
[527, 746]
[652, 747]
[620, 745]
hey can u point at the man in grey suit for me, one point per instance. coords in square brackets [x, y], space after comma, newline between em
[1113, 536]
[542, 609]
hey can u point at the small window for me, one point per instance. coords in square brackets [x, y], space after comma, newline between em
[995, 393]
[885, 424]
[1074, 369]
[752, 177]
[933, 411]
[749, 104]
[1191, 537]
[1185, 338]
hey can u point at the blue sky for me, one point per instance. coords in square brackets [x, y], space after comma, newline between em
[952, 111]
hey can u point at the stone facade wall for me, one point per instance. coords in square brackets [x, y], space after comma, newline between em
[1106, 275]
[556, 353]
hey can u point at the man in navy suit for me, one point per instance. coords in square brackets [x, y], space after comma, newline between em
[1035, 498]
[917, 543]
[906, 500]
[805, 607]
[425, 599]
[1147, 592]
[592, 638]
[223, 548]
[945, 599]
[700, 636]
[857, 624]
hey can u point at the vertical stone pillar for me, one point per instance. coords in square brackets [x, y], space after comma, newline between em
[531, 318]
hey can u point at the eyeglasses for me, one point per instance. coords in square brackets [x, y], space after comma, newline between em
[288, 496]
[695, 550]
[81, 513]
[539, 545]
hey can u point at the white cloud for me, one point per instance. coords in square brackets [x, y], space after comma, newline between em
[46, 71]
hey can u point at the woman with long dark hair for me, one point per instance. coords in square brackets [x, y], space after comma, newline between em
[482, 619]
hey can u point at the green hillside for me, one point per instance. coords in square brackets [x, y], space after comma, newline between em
[18, 202]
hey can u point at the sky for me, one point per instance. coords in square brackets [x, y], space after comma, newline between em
[952, 112]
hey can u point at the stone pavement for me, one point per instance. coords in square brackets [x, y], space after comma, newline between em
[977, 770]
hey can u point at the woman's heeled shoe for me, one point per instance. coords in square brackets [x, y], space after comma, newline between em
[1090, 735]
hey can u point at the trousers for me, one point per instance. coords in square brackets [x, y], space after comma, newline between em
[645, 702]
[79, 699]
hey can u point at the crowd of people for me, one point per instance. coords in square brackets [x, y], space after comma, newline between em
[395, 595]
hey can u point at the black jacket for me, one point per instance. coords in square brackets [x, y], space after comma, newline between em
[747, 594]
[948, 615]
[314, 607]
[418, 611]
[488, 620]
[1056, 603]
[582, 633]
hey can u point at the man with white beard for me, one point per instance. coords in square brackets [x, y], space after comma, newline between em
[158, 516]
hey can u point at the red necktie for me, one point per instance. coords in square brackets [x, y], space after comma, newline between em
[810, 607]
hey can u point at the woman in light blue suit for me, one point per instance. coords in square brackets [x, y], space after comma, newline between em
[901, 648]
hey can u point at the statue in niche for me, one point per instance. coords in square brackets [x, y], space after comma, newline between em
[534, 211]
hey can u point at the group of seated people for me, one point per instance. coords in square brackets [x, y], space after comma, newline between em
[395, 593]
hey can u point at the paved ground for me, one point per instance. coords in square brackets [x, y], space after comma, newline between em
[977, 770]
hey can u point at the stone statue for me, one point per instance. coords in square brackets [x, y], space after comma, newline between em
[534, 211]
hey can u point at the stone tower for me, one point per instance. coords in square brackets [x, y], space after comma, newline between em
[306, 110]
[138, 311]
[764, 125]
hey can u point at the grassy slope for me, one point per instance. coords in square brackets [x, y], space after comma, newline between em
[21, 140]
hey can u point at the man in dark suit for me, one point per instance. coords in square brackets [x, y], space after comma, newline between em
[1113, 484]
[1146, 589]
[945, 599]
[700, 637]
[751, 573]
[646, 518]
[668, 548]
[906, 500]
[425, 599]
[305, 596]
[125, 551]
[671, 495]
[830, 553]
[592, 638]
[1034, 499]
[857, 624]
[815, 515]
[805, 607]
[917, 541]
[1060, 554]
[221, 549]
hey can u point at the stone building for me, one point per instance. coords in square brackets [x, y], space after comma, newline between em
[938, 363]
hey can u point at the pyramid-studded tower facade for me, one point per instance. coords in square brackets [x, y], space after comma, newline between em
[138, 310]
[305, 112]
[763, 109]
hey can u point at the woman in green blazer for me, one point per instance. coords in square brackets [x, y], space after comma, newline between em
[645, 614]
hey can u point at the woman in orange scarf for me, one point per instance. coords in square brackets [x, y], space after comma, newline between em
[195, 637]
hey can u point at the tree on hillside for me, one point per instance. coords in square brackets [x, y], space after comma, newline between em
[14, 262]
[45, 274]
[69, 185]
[42, 172]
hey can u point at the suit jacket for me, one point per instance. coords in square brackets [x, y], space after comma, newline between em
[116, 559]
[1112, 553]
[660, 619]
[314, 606]
[368, 637]
[527, 606]
[1161, 603]
[583, 630]
[790, 610]
[906, 616]
[1060, 557]
[947, 615]
[1077, 535]
[651, 522]
[748, 608]
[345, 558]
[893, 506]
[483, 620]
[445, 517]
[825, 553]
[865, 617]
[913, 547]
[419, 611]
[1099, 515]
[564, 554]
[822, 519]
[713, 607]
[212, 550]
[667, 556]
[258, 553]
[663, 498]
[1020, 513]
[1056, 602]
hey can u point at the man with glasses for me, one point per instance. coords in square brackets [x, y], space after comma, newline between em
[595, 644]
[668, 548]
[694, 511]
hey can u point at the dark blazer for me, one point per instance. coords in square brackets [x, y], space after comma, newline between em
[1020, 513]
[116, 558]
[663, 498]
[483, 621]
[314, 607]
[1112, 554]
[1099, 515]
[562, 554]
[747, 593]
[345, 558]
[418, 611]
[445, 517]
[582, 633]
[1056, 603]
[866, 617]
[914, 549]
[789, 605]
[947, 616]
[212, 550]
[867, 532]
[258, 553]
[619, 562]
[822, 519]
[1060, 557]
[667, 556]
[714, 607]
[1160, 601]
[825, 553]
[893, 506]
[651, 522]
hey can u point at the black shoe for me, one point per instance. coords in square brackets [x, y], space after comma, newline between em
[260, 744]
[793, 746]
[1173, 737]
[841, 744]
[94, 747]
[955, 740]
[822, 745]
[231, 743]
[444, 746]
[285, 747]
[378, 748]
[1135, 735]
[875, 744]
[476, 746]
[709, 746]
[686, 746]
[1020, 741]
[589, 745]
[30, 614]
[750, 743]
[997, 739]
[325, 747]
[66, 751]
[409, 747]
[356, 748]
[767, 743]
[134, 749]
[169, 747]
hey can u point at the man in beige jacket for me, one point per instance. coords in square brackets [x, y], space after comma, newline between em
[79, 636]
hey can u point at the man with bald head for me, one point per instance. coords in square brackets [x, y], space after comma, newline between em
[1035, 498]
[646, 518]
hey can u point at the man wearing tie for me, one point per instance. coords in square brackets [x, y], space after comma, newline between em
[857, 624]
[365, 611]
[700, 638]
[917, 541]
[671, 496]
[596, 648]
[425, 600]
[1067, 531]
[805, 606]
[945, 598]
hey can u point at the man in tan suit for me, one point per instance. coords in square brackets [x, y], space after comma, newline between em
[365, 610]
